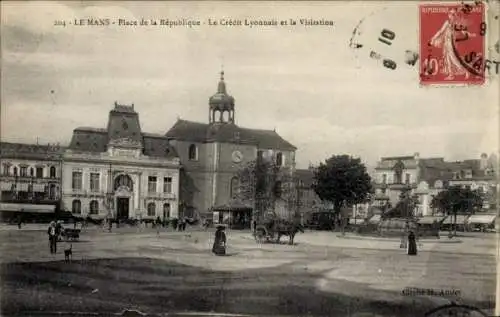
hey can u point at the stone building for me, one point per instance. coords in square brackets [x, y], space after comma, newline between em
[120, 171]
[394, 175]
[426, 177]
[30, 177]
[212, 154]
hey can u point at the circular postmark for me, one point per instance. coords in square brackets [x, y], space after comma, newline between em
[454, 310]
[384, 38]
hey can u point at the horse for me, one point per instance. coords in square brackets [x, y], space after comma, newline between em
[289, 230]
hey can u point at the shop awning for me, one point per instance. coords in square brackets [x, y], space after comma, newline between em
[27, 208]
[461, 219]
[482, 219]
[430, 220]
[375, 219]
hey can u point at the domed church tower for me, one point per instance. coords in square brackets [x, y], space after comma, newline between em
[221, 105]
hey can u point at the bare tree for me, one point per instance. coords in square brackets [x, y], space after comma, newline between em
[263, 183]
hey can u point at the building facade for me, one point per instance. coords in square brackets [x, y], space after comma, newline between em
[424, 178]
[30, 178]
[392, 176]
[120, 172]
[212, 154]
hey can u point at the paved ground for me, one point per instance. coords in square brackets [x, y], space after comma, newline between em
[323, 274]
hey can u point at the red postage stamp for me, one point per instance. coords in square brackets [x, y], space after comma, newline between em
[452, 43]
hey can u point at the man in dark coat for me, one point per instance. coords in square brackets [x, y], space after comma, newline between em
[412, 244]
[52, 232]
[219, 247]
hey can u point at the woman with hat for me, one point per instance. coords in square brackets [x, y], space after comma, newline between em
[219, 247]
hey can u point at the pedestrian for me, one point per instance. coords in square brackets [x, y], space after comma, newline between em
[219, 246]
[158, 224]
[52, 232]
[59, 230]
[412, 244]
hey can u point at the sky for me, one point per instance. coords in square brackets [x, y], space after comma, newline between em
[304, 81]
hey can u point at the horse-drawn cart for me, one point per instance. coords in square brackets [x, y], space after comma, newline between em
[271, 230]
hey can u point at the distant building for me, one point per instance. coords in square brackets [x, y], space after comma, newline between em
[212, 154]
[392, 176]
[30, 178]
[424, 178]
[120, 171]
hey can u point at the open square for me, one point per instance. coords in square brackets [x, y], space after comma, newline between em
[323, 274]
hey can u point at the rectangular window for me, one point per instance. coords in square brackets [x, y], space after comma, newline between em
[94, 182]
[167, 185]
[152, 184]
[407, 179]
[24, 171]
[39, 172]
[384, 179]
[76, 181]
[5, 169]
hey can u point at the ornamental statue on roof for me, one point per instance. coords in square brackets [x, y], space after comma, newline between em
[221, 104]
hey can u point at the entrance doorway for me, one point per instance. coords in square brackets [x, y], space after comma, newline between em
[122, 207]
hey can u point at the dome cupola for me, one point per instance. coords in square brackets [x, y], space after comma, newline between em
[221, 104]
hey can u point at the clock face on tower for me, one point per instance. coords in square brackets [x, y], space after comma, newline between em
[237, 156]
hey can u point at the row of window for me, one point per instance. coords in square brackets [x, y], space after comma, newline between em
[122, 180]
[76, 208]
[398, 179]
[23, 171]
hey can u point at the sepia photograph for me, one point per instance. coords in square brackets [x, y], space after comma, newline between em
[250, 158]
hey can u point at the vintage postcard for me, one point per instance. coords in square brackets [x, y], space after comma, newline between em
[250, 158]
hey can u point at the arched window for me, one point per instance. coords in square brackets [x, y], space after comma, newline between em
[235, 187]
[166, 211]
[14, 171]
[32, 171]
[123, 181]
[279, 159]
[94, 207]
[52, 172]
[151, 209]
[76, 207]
[193, 153]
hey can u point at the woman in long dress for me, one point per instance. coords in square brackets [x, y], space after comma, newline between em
[219, 246]
[445, 39]
[412, 244]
